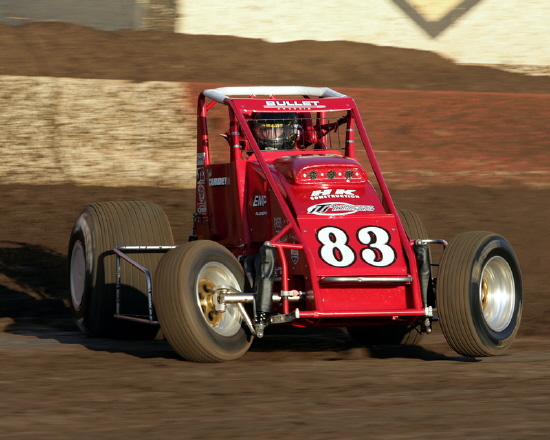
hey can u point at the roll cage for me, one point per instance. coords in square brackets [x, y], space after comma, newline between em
[242, 103]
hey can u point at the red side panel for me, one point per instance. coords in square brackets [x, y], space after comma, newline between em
[218, 202]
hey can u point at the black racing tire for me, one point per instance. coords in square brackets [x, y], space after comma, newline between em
[395, 335]
[414, 227]
[183, 300]
[92, 266]
[479, 294]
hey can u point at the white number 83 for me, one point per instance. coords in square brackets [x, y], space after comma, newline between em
[336, 252]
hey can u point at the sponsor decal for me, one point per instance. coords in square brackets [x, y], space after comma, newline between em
[336, 208]
[218, 181]
[200, 175]
[200, 158]
[333, 193]
[296, 104]
[259, 200]
[201, 193]
[277, 222]
[294, 255]
[261, 213]
[201, 208]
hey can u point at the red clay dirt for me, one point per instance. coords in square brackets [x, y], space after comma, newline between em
[463, 161]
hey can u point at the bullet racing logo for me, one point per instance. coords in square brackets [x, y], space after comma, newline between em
[293, 104]
[334, 208]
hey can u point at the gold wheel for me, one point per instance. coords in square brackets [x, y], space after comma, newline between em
[212, 275]
[206, 300]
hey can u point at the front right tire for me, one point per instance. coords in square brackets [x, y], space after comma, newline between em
[479, 294]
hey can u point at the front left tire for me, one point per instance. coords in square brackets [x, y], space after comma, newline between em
[184, 301]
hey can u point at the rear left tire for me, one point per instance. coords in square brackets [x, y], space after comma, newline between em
[92, 268]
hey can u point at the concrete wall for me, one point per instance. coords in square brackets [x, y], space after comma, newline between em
[507, 33]
[120, 133]
[95, 132]
[100, 14]
[512, 34]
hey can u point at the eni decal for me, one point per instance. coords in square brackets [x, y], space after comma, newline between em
[259, 200]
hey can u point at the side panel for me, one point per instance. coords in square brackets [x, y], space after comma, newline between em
[259, 205]
[263, 212]
[219, 205]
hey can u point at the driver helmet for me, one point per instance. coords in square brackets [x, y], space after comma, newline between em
[275, 131]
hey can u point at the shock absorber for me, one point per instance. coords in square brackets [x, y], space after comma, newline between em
[422, 253]
[264, 282]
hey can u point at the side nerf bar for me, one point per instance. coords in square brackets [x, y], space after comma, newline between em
[120, 254]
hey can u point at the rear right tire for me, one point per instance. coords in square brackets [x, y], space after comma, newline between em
[395, 335]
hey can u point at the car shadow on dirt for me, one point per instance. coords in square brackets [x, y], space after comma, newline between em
[33, 292]
[337, 344]
[281, 346]
[32, 281]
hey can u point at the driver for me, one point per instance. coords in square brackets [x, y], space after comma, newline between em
[275, 131]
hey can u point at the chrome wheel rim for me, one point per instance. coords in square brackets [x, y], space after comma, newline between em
[497, 294]
[77, 274]
[214, 274]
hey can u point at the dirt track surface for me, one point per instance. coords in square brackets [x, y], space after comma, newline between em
[56, 383]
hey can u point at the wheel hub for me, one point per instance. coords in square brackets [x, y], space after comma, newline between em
[497, 294]
[206, 300]
[77, 274]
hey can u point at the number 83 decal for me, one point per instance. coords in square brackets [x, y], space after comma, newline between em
[336, 252]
